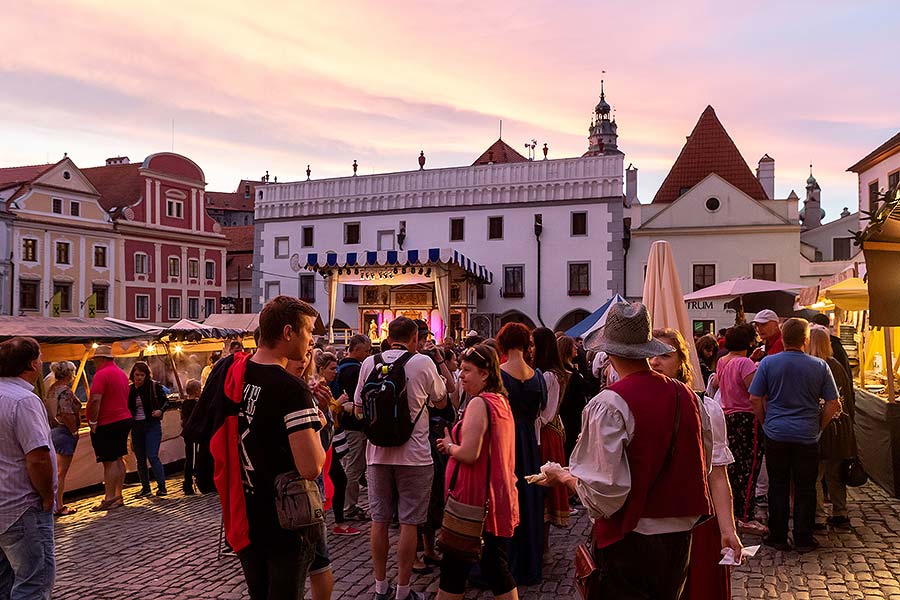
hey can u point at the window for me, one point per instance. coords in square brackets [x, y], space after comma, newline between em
[765, 271]
[579, 223]
[479, 290]
[580, 279]
[307, 237]
[101, 297]
[513, 282]
[193, 268]
[75, 209]
[386, 239]
[174, 308]
[210, 269]
[841, 248]
[100, 256]
[62, 253]
[29, 250]
[495, 228]
[282, 247]
[351, 294]
[308, 288]
[141, 264]
[873, 195]
[193, 308]
[174, 208]
[246, 190]
[273, 288]
[713, 204]
[351, 233]
[704, 276]
[29, 295]
[209, 306]
[704, 326]
[65, 296]
[457, 230]
[174, 266]
[142, 307]
[455, 294]
[893, 180]
[57, 206]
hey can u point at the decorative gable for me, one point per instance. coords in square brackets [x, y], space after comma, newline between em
[66, 176]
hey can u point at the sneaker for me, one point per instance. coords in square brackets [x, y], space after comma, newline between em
[390, 594]
[345, 530]
[573, 512]
[781, 545]
[414, 595]
[752, 527]
[189, 491]
[161, 492]
[144, 492]
[356, 514]
[842, 522]
[806, 545]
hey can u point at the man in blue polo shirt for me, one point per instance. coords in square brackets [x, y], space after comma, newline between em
[785, 394]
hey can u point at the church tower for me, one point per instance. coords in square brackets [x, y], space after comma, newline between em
[811, 214]
[603, 135]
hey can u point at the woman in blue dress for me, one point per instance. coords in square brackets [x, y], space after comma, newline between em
[527, 397]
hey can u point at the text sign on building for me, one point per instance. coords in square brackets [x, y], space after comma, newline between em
[699, 304]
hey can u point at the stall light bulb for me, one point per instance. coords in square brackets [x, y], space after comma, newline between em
[150, 347]
[95, 345]
[178, 349]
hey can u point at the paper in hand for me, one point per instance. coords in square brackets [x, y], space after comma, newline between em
[746, 552]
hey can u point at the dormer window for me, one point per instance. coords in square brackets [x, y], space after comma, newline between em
[174, 208]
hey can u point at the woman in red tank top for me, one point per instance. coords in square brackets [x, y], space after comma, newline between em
[472, 451]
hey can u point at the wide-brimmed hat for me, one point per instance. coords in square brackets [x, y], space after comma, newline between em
[103, 352]
[627, 333]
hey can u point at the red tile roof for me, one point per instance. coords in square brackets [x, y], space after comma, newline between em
[240, 238]
[119, 185]
[236, 267]
[499, 152]
[10, 175]
[709, 149]
[890, 147]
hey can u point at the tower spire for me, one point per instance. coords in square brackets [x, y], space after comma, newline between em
[603, 135]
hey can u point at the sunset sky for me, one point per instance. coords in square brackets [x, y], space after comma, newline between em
[279, 85]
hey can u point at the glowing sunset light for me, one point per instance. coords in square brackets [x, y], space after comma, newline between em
[283, 84]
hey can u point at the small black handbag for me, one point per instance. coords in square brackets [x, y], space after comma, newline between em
[852, 472]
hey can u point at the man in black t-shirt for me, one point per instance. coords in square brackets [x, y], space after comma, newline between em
[277, 427]
[354, 461]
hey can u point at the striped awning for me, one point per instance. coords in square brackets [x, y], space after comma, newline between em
[317, 261]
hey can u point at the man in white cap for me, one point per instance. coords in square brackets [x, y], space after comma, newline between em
[640, 465]
[767, 325]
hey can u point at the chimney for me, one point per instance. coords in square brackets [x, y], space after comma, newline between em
[765, 172]
[117, 160]
[631, 178]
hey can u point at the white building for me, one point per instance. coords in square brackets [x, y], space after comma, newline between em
[879, 171]
[721, 221]
[547, 232]
[6, 253]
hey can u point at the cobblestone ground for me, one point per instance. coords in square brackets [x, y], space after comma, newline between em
[167, 548]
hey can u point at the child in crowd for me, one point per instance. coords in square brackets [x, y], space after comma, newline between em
[192, 391]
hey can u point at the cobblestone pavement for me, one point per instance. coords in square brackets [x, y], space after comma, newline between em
[166, 548]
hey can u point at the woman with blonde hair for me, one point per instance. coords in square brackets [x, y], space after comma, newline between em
[65, 419]
[837, 442]
[707, 580]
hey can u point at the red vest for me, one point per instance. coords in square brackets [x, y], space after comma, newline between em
[681, 489]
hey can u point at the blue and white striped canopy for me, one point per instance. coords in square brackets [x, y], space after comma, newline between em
[393, 258]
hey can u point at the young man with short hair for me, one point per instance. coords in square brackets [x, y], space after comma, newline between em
[27, 476]
[785, 395]
[399, 478]
[110, 422]
[354, 461]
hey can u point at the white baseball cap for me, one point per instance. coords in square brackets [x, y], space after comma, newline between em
[765, 316]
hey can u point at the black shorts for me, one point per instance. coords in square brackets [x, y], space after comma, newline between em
[110, 441]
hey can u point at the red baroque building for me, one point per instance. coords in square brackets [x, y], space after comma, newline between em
[173, 252]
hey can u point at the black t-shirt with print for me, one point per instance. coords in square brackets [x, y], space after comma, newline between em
[275, 404]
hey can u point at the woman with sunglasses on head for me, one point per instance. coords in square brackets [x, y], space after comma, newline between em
[527, 395]
[481, 470]
[549, 427]
[707, 580]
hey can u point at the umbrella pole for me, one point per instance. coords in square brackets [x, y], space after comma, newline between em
[175, 370]
[80, 372]
[889, 363]
[861, 352]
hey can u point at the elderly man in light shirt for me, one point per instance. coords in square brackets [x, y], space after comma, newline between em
[640, 465]
[27, 476]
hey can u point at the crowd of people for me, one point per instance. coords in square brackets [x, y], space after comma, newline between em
[474, 450]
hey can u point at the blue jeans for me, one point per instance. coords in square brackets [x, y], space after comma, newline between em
[146, 436]
[27, 563]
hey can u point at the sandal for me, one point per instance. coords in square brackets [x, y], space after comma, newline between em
[65, 510]
[104, 505]
[117, 502]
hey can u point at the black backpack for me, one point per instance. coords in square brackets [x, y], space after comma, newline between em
[386, 418]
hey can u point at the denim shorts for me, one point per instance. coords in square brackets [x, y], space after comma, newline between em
[64, 440]
[321, 560]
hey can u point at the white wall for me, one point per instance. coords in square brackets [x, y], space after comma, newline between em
[5, 263]
[879, 172]
[822, 237]
[431, 229]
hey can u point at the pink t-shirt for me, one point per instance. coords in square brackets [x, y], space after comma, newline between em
[112, 382]
[735, 398]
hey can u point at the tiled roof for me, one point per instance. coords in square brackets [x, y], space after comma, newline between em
[236, 267]
[10, 175]
[709, 149]
[499, 152]
[119, 185]
[240, 238]
[892, 146]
